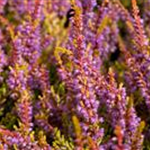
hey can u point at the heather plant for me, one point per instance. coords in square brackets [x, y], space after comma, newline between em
[74, 75]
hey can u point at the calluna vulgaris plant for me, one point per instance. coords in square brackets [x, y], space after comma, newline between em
[74, 75]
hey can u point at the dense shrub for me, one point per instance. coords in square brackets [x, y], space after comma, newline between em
[74, 75]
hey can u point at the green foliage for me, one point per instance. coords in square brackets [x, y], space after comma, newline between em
[146, 145]
[6, 105]
[60, 142]
[9, 121]
[105, 22]
[2, 98]
[59, 51]
[53, 74]
[127, 3]
[76, 126]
